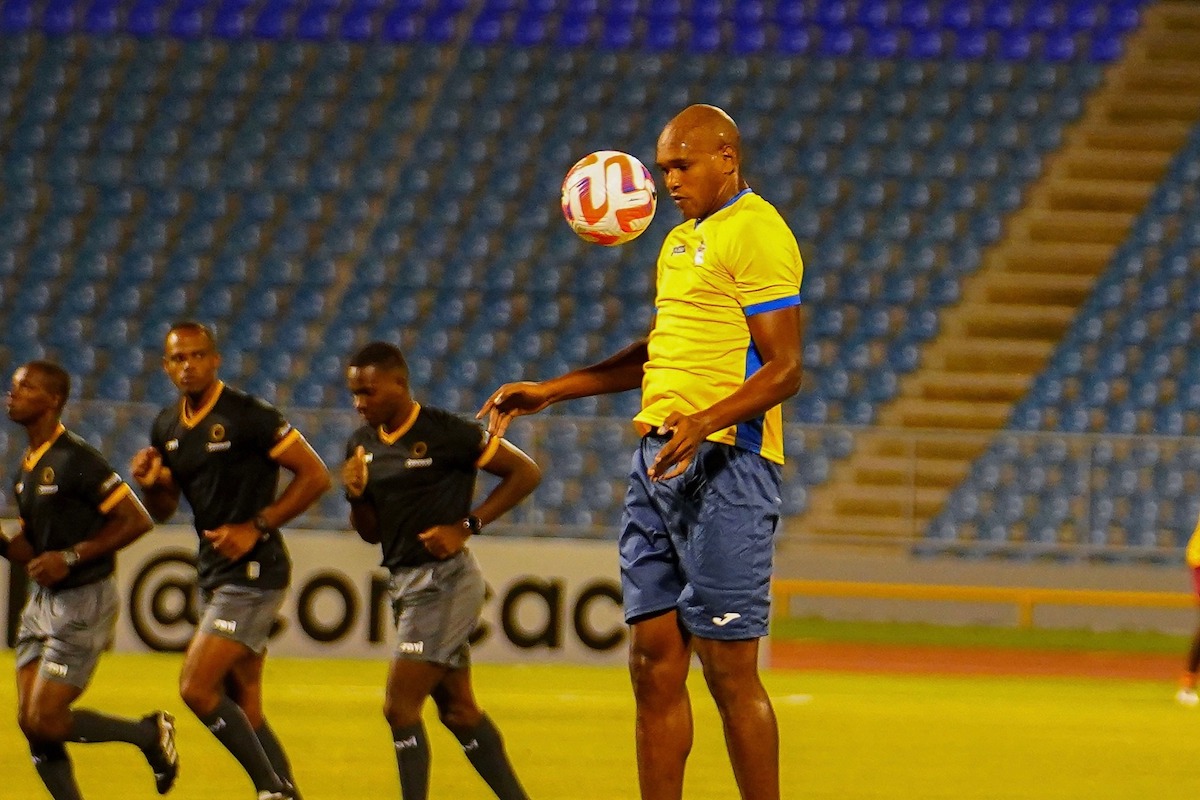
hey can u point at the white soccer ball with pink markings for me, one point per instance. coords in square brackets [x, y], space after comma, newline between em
[609, 198]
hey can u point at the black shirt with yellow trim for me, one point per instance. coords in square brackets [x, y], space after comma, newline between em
[222, 458]
[420, 475]
[64, 490]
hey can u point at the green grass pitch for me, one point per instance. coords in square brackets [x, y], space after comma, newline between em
[569, 731]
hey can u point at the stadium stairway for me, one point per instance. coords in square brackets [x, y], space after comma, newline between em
[1028, 290]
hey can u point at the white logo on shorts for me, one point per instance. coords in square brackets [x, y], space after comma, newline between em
[225, 625]
[729, 617]
[406, 744]
[55, 669]
[411, 647]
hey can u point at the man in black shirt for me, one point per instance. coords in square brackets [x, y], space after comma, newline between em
[222, 450]
[75, 514]
[410, 479]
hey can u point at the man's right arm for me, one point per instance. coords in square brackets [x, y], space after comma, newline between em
[160, 493]
[617, 373]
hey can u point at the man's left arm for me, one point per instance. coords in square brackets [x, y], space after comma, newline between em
[310, 480]
[777, 336]
[519, 476]
[124, 521]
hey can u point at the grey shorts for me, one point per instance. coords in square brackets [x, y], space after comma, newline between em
[436, 608]
[68, 629]
[240, 613]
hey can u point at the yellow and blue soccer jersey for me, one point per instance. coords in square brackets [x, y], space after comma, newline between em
[713, 275]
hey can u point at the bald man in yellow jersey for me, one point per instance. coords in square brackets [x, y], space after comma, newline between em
[697, 538]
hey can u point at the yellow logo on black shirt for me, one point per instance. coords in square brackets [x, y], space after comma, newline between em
[419, 450]
[217, 441]
[48, 475]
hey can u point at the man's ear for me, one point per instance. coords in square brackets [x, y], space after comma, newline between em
[729, 159]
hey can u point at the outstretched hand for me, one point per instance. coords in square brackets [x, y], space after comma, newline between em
[512, 400]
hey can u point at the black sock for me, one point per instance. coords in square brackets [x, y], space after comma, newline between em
[412, 758]
[92, 726]
[278, 758]
[228, 723]
[54, 767]
[485, 750]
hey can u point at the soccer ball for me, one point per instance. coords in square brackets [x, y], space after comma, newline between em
[608, 197]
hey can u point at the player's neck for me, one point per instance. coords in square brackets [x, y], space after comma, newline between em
[402, 418]
[41, 431]
[194, 401]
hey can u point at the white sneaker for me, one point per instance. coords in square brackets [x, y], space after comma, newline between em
[1187, 697]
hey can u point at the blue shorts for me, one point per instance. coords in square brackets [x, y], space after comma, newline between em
[703, 542]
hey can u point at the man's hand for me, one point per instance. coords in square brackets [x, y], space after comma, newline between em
[147, 467]
[48, 569]
[354, 473]
[235, 540]
[686, 432]
[513, 400]
[443, 541]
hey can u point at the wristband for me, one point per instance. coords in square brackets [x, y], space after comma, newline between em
[264, 529]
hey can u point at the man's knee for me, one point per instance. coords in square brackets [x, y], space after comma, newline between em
[200, 697]
[399, 713]
[46, 724]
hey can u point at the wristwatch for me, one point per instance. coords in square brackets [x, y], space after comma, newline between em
[473, 524]
[70, 557]
[264, 529]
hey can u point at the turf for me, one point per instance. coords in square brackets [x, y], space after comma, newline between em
[569, 731]
[815, 629]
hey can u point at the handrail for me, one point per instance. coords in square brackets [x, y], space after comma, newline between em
[1025, 598]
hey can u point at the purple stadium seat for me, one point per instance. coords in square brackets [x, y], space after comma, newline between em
[875, 15]
[1015, 45]
[916, 15]
[487, 29]
[837, 42]
[794, 41]
[231, 20]
[530, 30]
[358, 24]
[1083, 15]
[662, 34]
[145, 19]
[926, 44]
[101, 18]
[749, 38]
[833, 13]
[187, 22]
[970, 44]
[573, 30]
[399, 26]
[440, 26]
[958, 17]
[882, 44]
[1059, 46]
[315, 24]
[748, 12]
[16, 16]
[705, 38]
[1106, 47]
[998, 15]
[618, 32]
[272, 21]
[60, 18]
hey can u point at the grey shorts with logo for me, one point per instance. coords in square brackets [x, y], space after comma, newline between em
[68, 630]
[436, 608]
[241, 613]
